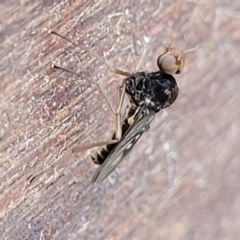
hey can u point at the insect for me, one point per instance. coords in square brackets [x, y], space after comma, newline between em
[148, 93]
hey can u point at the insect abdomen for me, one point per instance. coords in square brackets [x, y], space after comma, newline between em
[100, 156]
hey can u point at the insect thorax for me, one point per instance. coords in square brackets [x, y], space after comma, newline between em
[155, 90]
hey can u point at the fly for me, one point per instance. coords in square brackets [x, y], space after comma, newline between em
[148, 93]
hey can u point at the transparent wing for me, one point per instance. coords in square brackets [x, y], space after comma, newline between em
[123, 147]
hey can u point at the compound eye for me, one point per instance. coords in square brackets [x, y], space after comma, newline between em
[171, 63]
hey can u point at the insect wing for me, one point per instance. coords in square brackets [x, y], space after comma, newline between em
[123, 147]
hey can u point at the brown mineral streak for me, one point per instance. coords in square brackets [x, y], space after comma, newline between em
[181, 181]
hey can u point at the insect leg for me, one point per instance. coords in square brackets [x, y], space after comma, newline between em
[91, 81]
[118, 127]
[143, 51]
[144, 47]
[120, 99]
[118, 71]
